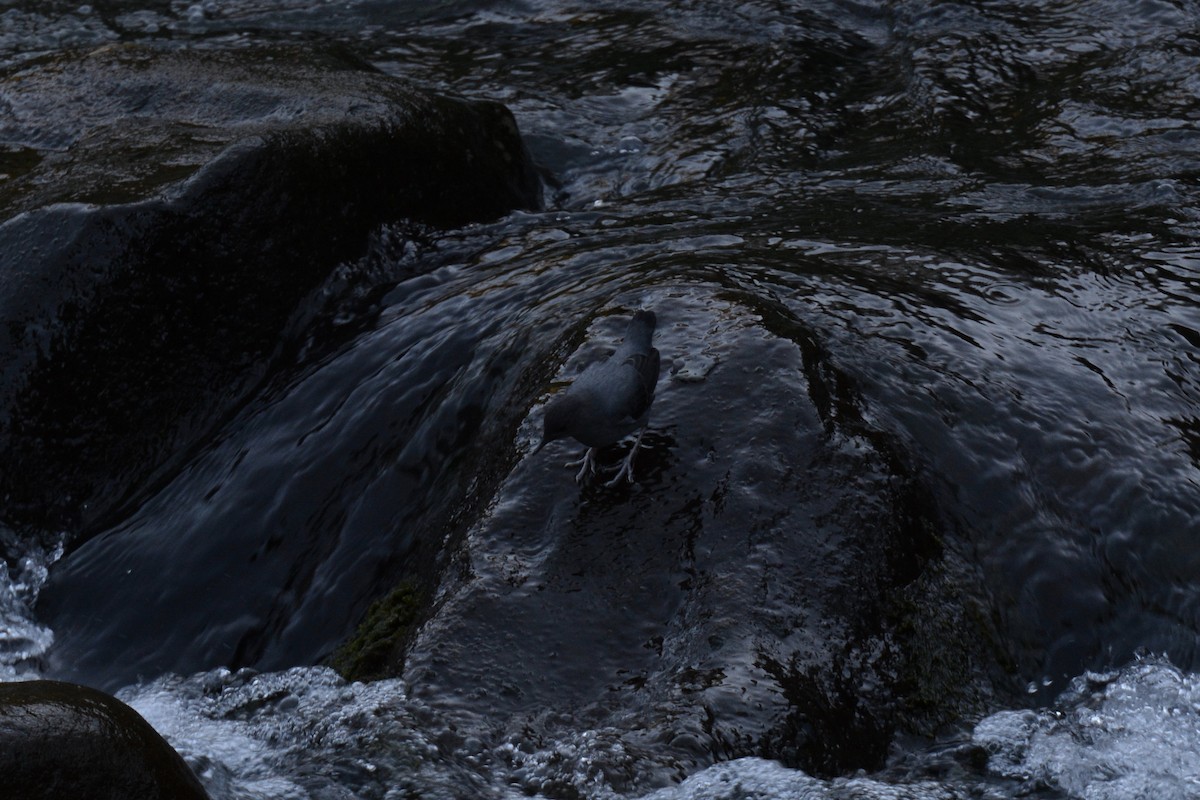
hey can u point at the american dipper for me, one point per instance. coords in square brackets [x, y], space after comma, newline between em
[609, 400]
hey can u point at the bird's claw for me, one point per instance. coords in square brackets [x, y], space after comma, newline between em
[588, 463]
[626, 470]
[588, 466]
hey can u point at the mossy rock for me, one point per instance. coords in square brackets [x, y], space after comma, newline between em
[377, 647]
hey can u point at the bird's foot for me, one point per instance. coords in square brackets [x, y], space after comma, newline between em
[626, 470]
[588, 463]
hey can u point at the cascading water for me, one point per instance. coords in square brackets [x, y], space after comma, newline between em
[917, 511]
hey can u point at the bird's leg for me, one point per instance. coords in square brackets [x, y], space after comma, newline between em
[589, 464]
[626, 470]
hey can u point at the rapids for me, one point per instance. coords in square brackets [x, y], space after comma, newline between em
[928, 288]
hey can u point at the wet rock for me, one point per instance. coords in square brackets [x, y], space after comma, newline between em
[754, 594]
[167, 213]
[62, 740]
[380, 639]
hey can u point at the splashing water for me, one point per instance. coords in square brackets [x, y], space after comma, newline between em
[23, 571]
[306, 733]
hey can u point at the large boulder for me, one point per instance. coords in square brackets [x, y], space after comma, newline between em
[772, 585]
[60, 740]
[167, 213]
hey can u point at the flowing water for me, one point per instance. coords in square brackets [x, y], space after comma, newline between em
[926, 274]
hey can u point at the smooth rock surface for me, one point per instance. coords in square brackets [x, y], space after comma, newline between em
[167, 215]
[59, 740]
[725, 605]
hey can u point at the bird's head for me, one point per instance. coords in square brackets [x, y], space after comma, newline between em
[557, 423]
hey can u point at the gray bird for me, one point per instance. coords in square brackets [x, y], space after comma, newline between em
[609, 400]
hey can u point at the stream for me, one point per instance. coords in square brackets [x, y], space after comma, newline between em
[928, 296]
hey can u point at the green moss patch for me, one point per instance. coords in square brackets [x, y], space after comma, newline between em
[377, 648]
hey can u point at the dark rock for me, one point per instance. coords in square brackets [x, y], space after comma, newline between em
[167, 212]
[60, 740]
[768, 587]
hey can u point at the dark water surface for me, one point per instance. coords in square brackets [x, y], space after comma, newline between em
[929, 260]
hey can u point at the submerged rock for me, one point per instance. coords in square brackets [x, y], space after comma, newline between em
[167, 214]
[61, 740]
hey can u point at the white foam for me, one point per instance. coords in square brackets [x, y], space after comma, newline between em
[305, 733]
[23, 572]
[298, 734]
[756, 779]
[1124, 735]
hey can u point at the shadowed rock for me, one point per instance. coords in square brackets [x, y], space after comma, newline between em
[60, 740]
[167, 214]
[772, 586]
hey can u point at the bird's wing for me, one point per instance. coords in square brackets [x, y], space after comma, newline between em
[644, 379]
